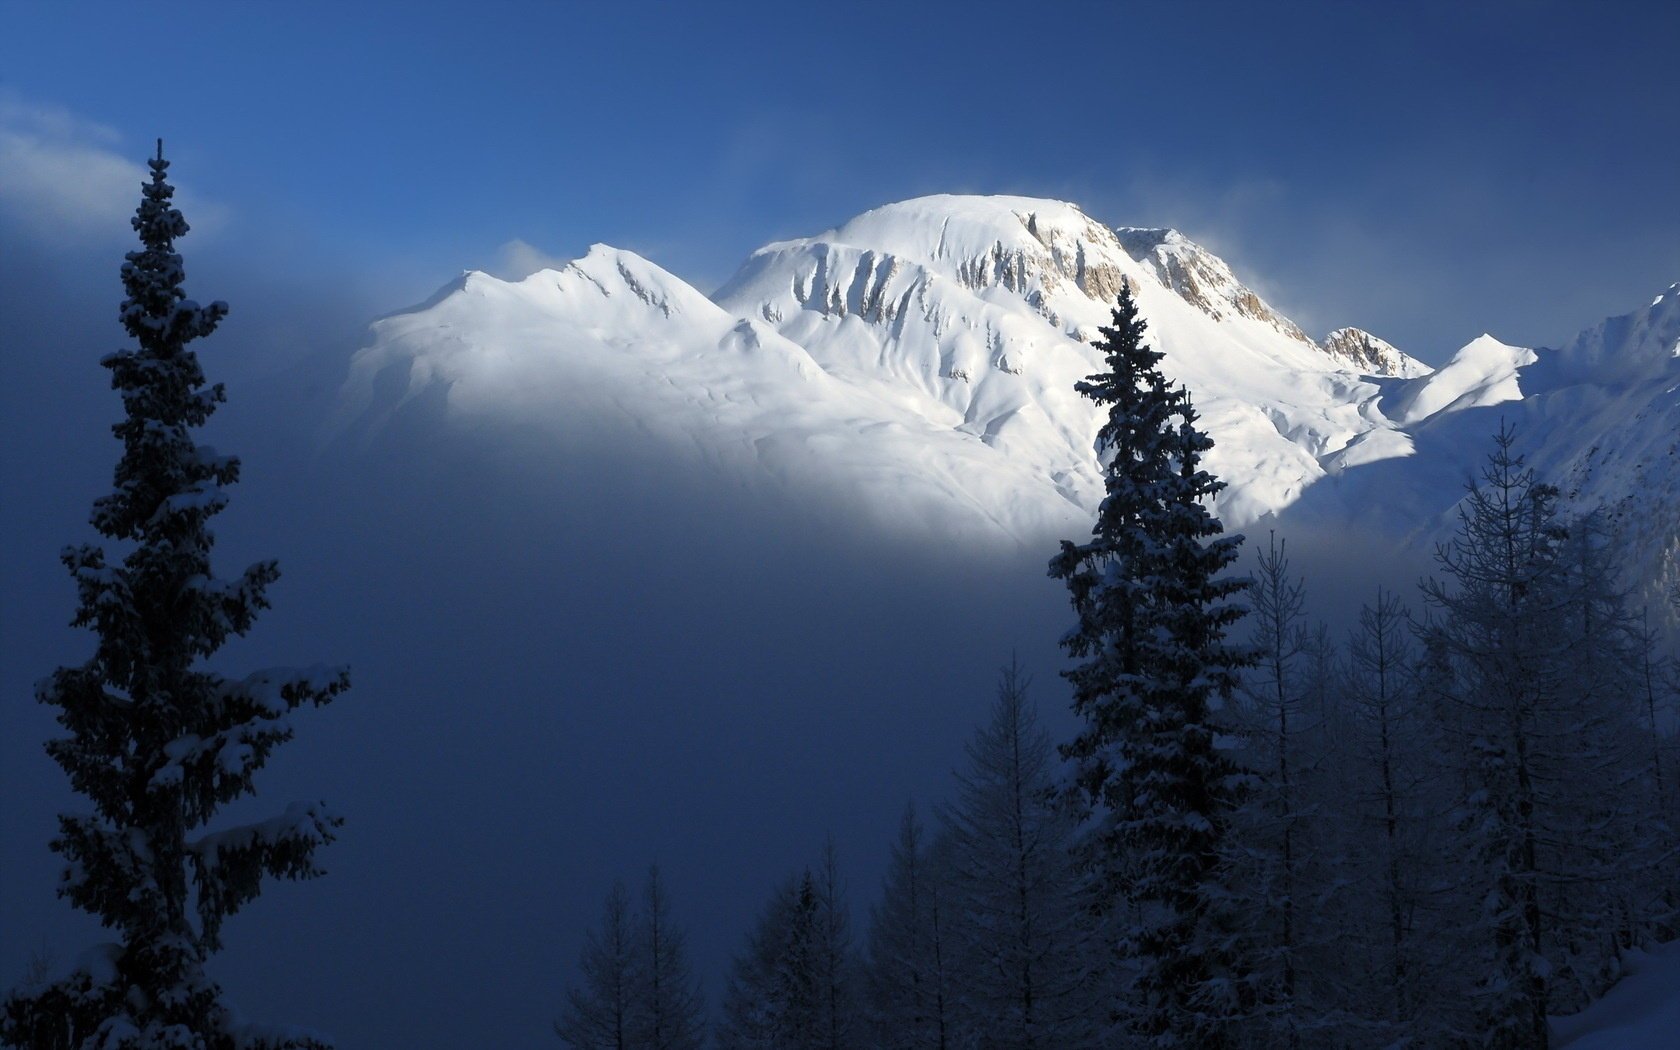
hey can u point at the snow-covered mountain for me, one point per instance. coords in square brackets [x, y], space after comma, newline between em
[919, 360]
[1599, 417]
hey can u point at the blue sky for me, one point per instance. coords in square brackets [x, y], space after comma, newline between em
[1425, 171]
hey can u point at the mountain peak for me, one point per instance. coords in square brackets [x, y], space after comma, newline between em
[1642, 343]
[1371, 355]
[1202, 278]
[1065, 265]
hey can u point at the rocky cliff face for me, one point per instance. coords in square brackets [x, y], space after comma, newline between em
[1202, 278]
[1366, 353]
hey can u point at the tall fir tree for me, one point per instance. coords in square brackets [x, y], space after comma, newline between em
[156, 742]
[839, 1022]
[1154, 669]
[601, 1013]
[1276, 847]
[774, 999]
[1542, 737]
[909, 955]
[668, 1006]
[1029, 961]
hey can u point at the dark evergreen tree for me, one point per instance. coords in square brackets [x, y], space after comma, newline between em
[1276, 848]
[775, 1000]
[601, 1013]
[668, 1004]
[1029, 961]
[840, 1021]
[908, 969]
[156, 742]
[1154, 668]
[1540, 724]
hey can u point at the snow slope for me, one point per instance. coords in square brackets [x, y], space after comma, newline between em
[918, 362]
[612, 348]
[1605, 412]
[1641, 1012]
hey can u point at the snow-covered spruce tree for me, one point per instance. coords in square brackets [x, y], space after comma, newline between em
[156, 742]
[908, 963]
[1155, 667]
[1029, 958]
[600, 1014]
[668, 1008]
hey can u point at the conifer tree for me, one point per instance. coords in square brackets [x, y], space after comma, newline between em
[155, 741]
[1378, 686]
[1154, 669]
[1617, 831]
[774, 999]
[1494, 626]
[909, 952]
[1542, 747]
[1029, 959]
[601, 1013]
[667, 1001]
[836, 960]
[1274, 848]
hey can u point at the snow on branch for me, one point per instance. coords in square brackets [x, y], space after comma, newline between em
[228, 866]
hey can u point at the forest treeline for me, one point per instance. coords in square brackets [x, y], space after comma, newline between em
[1432, 827]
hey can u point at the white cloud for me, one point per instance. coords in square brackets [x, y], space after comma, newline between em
[62, 177]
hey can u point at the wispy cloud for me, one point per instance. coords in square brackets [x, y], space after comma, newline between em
[519, 259]
[63, 178]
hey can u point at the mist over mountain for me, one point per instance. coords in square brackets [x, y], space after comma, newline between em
[918, 362]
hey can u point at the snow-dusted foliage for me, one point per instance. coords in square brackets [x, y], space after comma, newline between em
[1154, 668]
[1031, 955]
[157, 743]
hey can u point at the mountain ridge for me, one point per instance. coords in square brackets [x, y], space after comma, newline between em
[959, 325]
